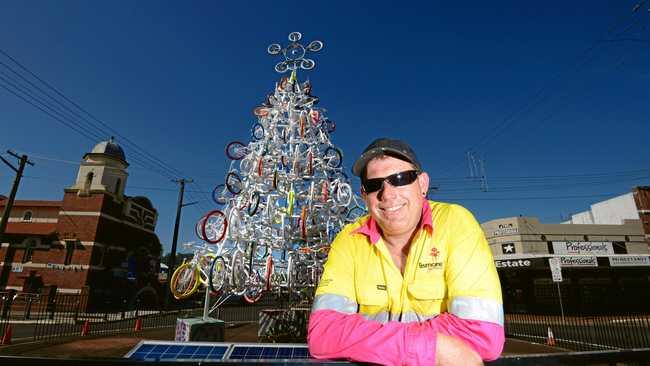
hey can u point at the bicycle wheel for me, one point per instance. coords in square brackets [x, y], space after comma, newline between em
[239, 275]
[303, 222]
[268, 272]
[254, 288]
[275, 179]
[218, 275]
[310, 164]
[184, 281]
[260, 166]
[333, 157]
[236, 150]
[257, 132]
[246, 165]
[253, 203]
[214, 227]
[198, 228]
[233, 183]
[261, 111]
[219, 194]
[343, 194]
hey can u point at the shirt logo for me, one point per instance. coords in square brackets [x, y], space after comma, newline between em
[434, 264]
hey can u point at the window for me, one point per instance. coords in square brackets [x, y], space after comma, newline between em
[69, 251]
[27, 216]
[89, 181]
[117, 186]
[29, 251]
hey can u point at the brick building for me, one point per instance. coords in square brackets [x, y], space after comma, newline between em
[96, 240]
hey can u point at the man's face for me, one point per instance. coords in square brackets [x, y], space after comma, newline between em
[397, 210]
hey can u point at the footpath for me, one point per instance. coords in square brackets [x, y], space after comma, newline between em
[119, 345]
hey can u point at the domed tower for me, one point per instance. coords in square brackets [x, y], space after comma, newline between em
[103, 170]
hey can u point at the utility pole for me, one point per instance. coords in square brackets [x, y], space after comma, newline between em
[22, 160]
[172, 256]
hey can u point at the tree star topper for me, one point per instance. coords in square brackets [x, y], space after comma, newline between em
[294, 54]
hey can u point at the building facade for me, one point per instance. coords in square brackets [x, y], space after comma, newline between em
[603, 266]
[96, 240]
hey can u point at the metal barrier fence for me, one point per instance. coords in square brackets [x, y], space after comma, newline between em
[36, 317]
[581, 333]
[33, 317]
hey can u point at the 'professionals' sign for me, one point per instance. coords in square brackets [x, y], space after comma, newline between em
[583, 247]
[579, 262]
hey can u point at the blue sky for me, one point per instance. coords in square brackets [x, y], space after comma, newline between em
[537, 89]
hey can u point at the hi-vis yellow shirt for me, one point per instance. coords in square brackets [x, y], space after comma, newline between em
[449, 268]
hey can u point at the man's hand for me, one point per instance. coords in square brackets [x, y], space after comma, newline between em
[453, 351]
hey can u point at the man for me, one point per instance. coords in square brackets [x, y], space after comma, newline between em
[412, 283]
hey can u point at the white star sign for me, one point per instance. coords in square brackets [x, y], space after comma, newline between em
[508, 248]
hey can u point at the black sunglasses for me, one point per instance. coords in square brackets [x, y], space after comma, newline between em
[395, 180]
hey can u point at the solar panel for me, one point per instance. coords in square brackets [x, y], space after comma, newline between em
[261, 351]
[178, 351]
[204, 351]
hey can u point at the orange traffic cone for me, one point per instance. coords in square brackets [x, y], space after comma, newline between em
[6, 338]
[138, 325]
[550, 339]
[85, 328]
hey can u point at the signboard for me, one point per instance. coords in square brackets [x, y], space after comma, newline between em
[508, 248]
[583, 247]
[627, 261]
[506, 229]
[16, 267]
[556, 269]
[579, 262]
[182, 333]
[512, 263]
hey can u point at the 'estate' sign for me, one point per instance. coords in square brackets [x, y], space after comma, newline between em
[512, 263]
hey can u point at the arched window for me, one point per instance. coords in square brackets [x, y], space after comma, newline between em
[117, 186]
[89, 181]
[27, 216]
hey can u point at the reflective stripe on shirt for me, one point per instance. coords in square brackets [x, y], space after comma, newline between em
[475, 308]
[334, 302]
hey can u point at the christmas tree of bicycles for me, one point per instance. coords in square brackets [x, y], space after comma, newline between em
[284, 199]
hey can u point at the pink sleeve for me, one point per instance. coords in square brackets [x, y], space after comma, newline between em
[485, 338]
[332, 335]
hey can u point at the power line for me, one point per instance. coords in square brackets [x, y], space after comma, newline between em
[150, 162]
[541, 96]
[584, 58]
[526, 198]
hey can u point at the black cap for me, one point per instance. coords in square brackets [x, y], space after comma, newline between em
[385, 146]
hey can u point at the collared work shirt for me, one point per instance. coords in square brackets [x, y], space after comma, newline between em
[449, 269]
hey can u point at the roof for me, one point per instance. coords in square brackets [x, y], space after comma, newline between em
[110, 148]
